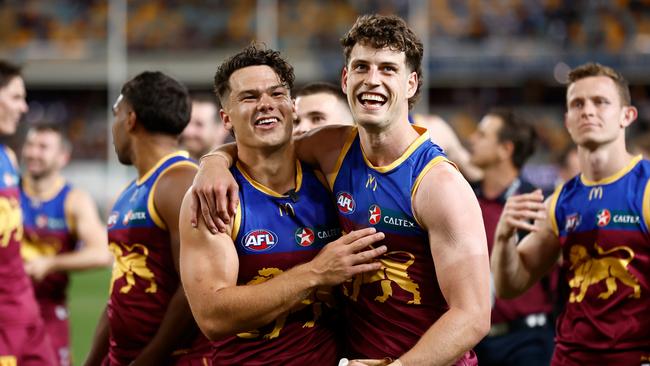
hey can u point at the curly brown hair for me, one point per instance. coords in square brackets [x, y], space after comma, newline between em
[252, 55]
[387, 31]
[596, 69]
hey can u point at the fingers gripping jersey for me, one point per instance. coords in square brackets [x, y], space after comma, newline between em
[17, 303]
[273, 233]
[603, 230]
[47, 233]
[388, 310]
[144, 277]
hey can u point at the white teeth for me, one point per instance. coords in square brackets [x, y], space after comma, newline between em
[373, 97]
[266, 121]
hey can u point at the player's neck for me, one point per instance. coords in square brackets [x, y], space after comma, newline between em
[604, 161]
[148, 151]
[43, 187]
[382, 147]
[273, 168]
[497, 179]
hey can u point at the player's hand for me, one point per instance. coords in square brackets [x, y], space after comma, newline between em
[39, 268]
[518, 213]
[347, 256]
[214, 194]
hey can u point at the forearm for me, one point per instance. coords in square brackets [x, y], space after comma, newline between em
[99, 348]
[235, 309]
[85, 258]
[510, 277]
[455, 333]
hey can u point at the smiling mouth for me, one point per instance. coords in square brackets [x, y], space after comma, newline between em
[371, 99]
[266, 121]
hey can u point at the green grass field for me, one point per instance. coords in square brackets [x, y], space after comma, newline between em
[87, 298]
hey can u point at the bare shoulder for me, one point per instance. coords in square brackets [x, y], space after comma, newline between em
[322, 146]
[78, 201]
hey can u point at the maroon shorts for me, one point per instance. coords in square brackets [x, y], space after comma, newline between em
[55, 316]
[25, 345]
[580, 358]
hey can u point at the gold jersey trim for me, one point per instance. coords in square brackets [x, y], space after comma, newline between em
[151, 207]
[424, 136]
[266, 190]
[236, 225]
[418, 180]
[160, 162]
[551, 208]
[646, 205]
[331, 178]
[614, 177]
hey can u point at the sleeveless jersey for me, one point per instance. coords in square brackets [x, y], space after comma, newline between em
[603, 230]
[144, 277]
[273, 233]
[47, 233]
[17, 302]
[388, 310]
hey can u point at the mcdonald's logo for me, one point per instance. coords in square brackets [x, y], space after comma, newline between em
[596, 193]
[371, 182]
[286, 209]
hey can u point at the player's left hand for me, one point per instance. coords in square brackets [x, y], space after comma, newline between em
[39, 268]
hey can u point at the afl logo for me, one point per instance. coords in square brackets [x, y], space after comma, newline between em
[41, 221]
[304, 237]
[374, 215]
[259, 240]
[112, 219]
[345, 203]
[603, 217]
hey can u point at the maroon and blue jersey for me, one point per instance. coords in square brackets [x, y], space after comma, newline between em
[273, 233]
[387, 311]
[603, 230]
[47, 232]
[17, 302]
[144, 277]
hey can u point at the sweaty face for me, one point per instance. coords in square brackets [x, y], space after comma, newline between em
[595, 115]
[203, 132]
[484, 142]
[43, 153]
[12, 105]
[121, 143]
[320, 109]
[378, 85]
[259, 108]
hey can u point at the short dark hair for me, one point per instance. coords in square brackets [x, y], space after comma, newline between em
[52, 127]
[596, 69]
[160, 103]
[518, 130]
[321, 87]
[8, 71]
[391, 31]
[252, 55]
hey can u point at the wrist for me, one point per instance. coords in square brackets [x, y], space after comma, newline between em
[212, 156]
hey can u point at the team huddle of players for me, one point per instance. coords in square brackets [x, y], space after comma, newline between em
[361, 241]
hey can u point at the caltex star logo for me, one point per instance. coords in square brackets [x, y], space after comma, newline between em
[603, 217]
[305, 236]
[374, 215]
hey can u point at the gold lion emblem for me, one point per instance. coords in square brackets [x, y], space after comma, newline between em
[11, 221]
[131, 264]
[394, 271]
[589, 271]
[266, 274]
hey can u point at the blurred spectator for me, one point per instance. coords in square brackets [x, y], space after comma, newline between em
[205, 130]
[320, 104]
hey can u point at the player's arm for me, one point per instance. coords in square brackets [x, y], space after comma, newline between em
[210, 267]
[99, 347]
[516, 267]
[447, 208]
[177, 322]
[214, 191]
[82, 212]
